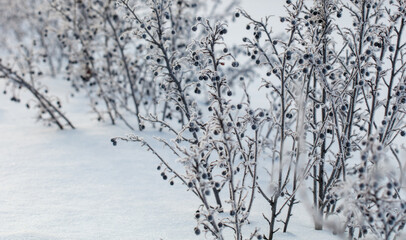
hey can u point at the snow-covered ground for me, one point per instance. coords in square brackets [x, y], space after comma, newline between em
[74, 184]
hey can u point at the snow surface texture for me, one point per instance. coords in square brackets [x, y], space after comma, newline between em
[76, 185]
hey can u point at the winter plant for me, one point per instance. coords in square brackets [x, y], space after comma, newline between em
[218, 149]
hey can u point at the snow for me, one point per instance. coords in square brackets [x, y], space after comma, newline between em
[74, 184]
